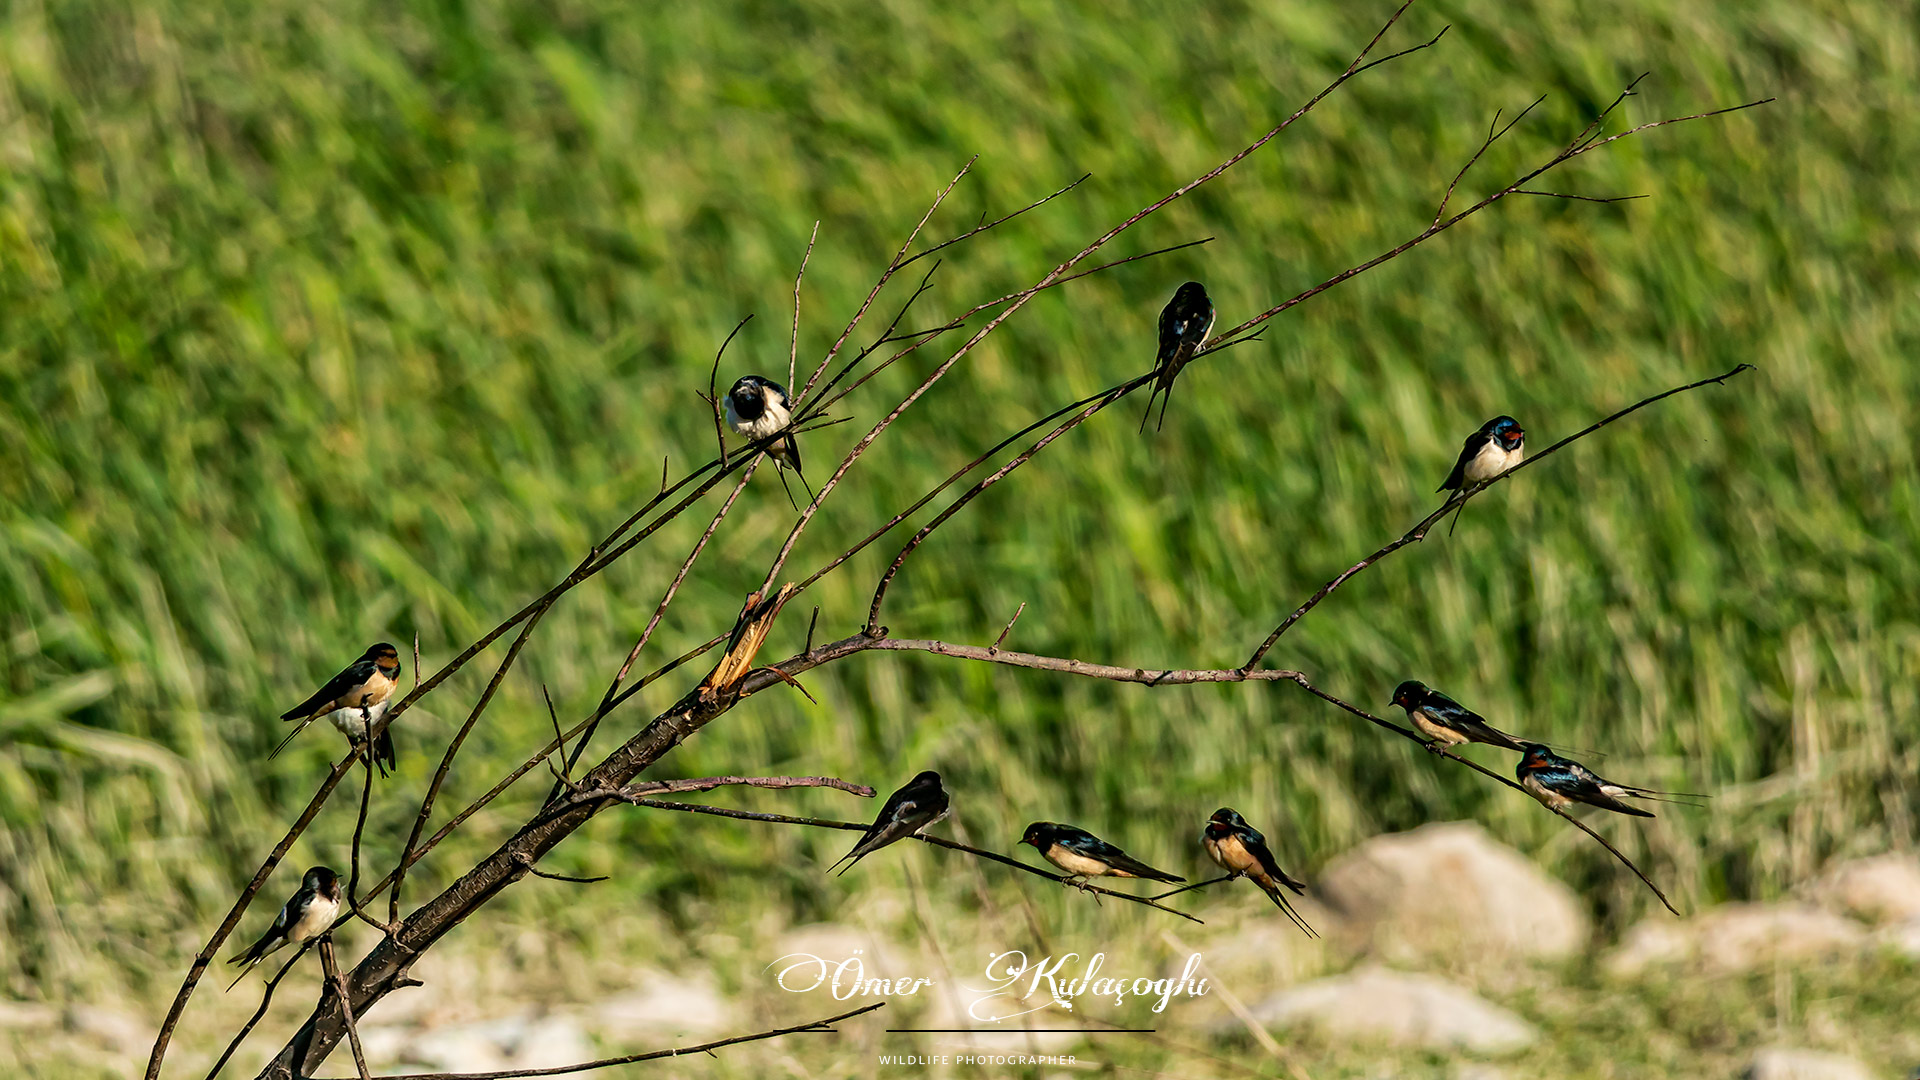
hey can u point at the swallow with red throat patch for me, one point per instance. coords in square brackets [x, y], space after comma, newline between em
[1242, 851]
[1560, 782]
[353, 701]
[1499, 445]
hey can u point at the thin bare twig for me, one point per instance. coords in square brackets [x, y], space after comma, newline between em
[1419, 531]
[266, 998]
[793, 347]
[937, 841]
[1007, 629]
[823, 1026]
[1154, 677]
[338, 986]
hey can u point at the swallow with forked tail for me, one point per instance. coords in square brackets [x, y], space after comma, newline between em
[1560, 782]
[353, 701]
[1242, 851]
[306, 915]
[1184, 324]
[1084, 855]
[1499, 445]
[920, 803]
[1446, 722]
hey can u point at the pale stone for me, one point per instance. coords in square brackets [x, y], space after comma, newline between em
[1737, 937]
[1399, 1009]
[663, 1004]
[1881, 889]
[1450, 889]
[1789, 1064]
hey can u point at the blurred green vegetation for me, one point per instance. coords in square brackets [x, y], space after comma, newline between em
[332, 322]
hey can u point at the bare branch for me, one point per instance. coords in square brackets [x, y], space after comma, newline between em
[337, 986]
[793, 347]
[1007, 629]
[1156, 677]
[606, 1063]
[937, 841]
[893, 267]
[266, 998]
[1419, 531]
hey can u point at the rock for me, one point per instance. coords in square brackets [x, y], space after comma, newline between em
[109, 1030]
[664, 1005]
[27, 1014]
[1881, 889]
[1787, 1064]
[1903, 938]
[548, 1041]
[1400, 1009]
[459, 1048]
[527, 1041]
[1737, 937]
[1451, 889]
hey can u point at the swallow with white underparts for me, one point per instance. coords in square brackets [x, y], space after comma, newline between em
[1499, 445]
[1242, 851]
[1184, 325]
[1560, 782]
[758, 407]
[1446, 722]
[1084, 855]
[353, 701]
[920, 803]
[306, 915]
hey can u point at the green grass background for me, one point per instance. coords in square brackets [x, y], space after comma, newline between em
[322, 323]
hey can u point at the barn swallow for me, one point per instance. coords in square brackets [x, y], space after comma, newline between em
[1560, 782]
[1242, 852]
[1184, 324]
[306, 915]
[354, 701]
[758, 407]
[1446, 722]
[1496, 447]
[914, 807]
[1083, 855]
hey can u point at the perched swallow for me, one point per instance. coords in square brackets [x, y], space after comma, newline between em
[1084, 855]
[1496, 447]
[1242, 852]
[306, 915]
[914, 807]
[1560, 782]
[354, 701]
[1446, 722]
[758, 407]
[1184, 324]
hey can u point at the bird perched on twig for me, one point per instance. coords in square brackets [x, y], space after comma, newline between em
[353, 701]
[306, 915]
[1446, 722]
[1560, 782]
[1184, 324]
[1499, 445]
[1083, 855]
[1242, 851]
[918, 804]
[758, 407]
